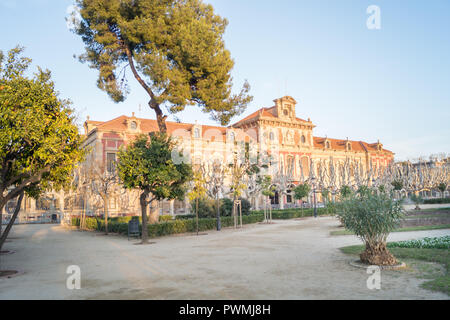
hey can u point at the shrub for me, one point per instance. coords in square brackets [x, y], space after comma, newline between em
[226, 207]
[428, 243]
[287, 214]
[437, 201]
[246, 206]
[416, 199]
[372, 216]
[205, 208]
[169, 227]
[165, 218]
[185, 217]
[345, 191]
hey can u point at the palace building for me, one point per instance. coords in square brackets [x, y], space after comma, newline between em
[276, 131]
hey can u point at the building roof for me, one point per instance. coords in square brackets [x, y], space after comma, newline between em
[120, 124]
[339, 144]
[262, 113]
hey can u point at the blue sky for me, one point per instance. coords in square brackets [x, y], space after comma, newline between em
[391, 84]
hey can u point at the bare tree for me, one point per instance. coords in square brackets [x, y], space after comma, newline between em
[104, 183]
[214, 175]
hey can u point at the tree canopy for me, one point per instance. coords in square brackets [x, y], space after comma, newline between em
[39, 141]
[372, 215]
[146, 164]
[174, 48]
[301, 191]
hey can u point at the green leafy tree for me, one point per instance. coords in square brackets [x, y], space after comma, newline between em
[442, 187]
[39, 142]
[267, 190]
[397, 184]
[363, 190]
[345, 191]
[238, 170]
[301, 191]
[372, 216]
[326, 195]
[198, 191]
[417, 199]
[146, 164]
[174, 48]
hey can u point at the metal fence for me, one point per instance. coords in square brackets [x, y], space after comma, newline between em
[33, 218]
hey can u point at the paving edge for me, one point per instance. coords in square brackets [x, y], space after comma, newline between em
[359, 264]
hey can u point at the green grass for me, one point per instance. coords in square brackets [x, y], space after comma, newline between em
[426, 216]
[431, 210]
[406, 229]
[419, 259]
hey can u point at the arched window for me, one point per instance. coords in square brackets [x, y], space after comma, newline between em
[290, 194]
[303, 139]
[272, 136]
[328, 145]
[290, 165]
[133, 125]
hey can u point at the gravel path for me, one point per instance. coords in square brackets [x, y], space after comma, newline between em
[296, 259]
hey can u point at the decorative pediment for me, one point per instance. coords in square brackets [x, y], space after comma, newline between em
[285, 108]
[133, 123]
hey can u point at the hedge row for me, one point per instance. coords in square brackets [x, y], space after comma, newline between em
[187, 224]
[166, 228]
[437, 201]
[297, 213]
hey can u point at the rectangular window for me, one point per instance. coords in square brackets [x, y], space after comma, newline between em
[110, 162]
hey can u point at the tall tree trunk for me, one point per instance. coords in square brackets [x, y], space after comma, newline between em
[4, 235]
[219, 227]
[377, 254]
[106, 213]
[2, 205]
[154, 212]
[196, 213]
[143, 200]
[161, 119]
[301, 203]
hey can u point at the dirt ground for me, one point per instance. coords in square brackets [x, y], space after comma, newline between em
[295, 259]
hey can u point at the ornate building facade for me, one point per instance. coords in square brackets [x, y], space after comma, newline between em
[293, 155]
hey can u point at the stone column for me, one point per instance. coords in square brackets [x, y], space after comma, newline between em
[256, 203]
[61, 201]
[32, 208]
[186, 206]
[172, 207]
[281, 199]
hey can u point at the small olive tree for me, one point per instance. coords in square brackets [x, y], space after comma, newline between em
[417, 199]
[198, 192]
[301, 191]
[372, 215]
[442, 187]
[267, 190]
[345, 191]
